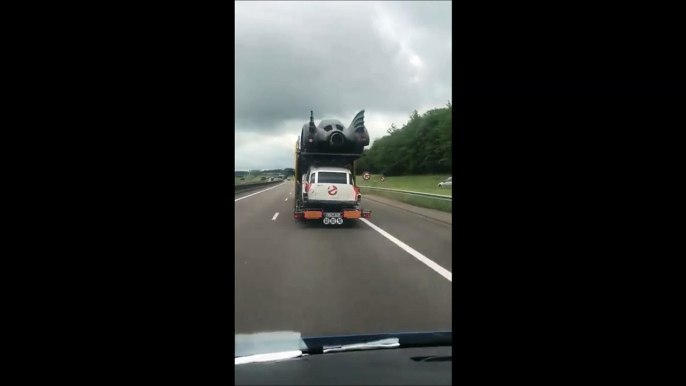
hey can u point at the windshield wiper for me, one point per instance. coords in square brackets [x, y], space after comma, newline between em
[287, 345]
[269, 357]
[323, 344]
[378, 344]
[277, 356]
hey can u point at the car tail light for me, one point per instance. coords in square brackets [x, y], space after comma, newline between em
[351, 214]
[367, 214]
[313, 214]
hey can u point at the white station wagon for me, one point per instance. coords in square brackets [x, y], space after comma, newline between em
[447, 183]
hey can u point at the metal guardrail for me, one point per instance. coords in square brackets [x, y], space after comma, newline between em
[254, 185]
[411, 193]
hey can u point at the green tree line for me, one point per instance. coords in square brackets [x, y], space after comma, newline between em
[422, 146]
[255, 172]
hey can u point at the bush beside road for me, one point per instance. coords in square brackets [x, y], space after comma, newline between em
[246, 180]
[253, 179]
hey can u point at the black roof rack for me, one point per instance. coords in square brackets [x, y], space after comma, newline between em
[326, 159]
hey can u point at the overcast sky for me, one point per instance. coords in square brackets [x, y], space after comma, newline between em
[335, 58]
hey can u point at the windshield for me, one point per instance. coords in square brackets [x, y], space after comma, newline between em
[357, 86]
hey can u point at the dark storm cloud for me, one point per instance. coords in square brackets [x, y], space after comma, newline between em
[336, 58]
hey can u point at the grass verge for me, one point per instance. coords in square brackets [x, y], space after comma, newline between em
[424, 202]
[423, 183]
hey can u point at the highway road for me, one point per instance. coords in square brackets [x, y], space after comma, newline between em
[391, 273]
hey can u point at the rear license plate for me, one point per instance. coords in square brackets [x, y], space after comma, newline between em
[332, 215]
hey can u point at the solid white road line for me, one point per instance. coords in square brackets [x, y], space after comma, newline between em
[275, 216]
[250, 195]
[430, 263]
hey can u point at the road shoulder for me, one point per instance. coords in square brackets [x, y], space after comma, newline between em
[433, 214]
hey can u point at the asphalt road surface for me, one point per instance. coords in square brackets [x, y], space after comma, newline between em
[303, 276]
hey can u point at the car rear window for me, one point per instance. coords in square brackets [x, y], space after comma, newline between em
[332, 178]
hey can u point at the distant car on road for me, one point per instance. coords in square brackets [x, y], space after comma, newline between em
[446, 183]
